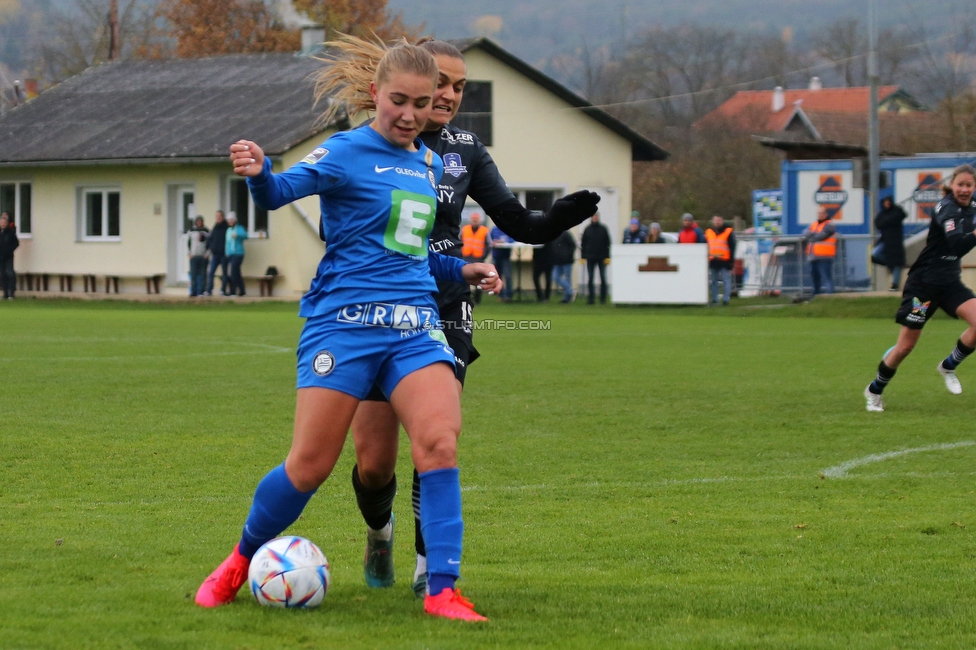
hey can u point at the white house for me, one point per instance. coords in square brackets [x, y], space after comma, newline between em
[105, 172]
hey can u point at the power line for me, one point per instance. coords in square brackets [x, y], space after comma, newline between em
[744, 84]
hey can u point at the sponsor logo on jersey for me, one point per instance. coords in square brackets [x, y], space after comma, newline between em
[405, 171]
[459, 138]
[832, 195]
[950, 225]
[452, 165]
[323, 363]
[928, 194]
[316, 155]
[393, 316]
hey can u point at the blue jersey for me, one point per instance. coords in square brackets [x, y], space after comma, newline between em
[378, 205]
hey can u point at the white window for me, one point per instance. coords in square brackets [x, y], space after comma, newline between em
[100, 213]
[15, 200]
[239, 201]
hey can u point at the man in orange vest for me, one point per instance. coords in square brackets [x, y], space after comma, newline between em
[821, 241]
[721, 252]
[474, 245]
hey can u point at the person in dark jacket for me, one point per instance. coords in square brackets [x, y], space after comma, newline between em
[888, 224]
[595, 249]
[215, 244]
[935, 282]
[8, 244]
[542, 271]
[563, 254]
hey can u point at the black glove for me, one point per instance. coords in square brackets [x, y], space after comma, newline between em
[573, 209]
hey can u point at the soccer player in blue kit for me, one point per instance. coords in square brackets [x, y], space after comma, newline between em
[371, 317]
[469, 172]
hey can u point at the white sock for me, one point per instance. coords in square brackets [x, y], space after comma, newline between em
[383, 534]
[421, 567]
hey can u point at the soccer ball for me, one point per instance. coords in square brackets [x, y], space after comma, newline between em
[289, 572]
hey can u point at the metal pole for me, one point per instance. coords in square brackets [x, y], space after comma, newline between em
[874, 157]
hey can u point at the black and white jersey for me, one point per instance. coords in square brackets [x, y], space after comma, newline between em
[951, 235]
[468, 171]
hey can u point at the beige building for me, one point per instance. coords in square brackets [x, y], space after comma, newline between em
[105, 172]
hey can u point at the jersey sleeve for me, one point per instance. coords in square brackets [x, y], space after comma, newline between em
[950, 216]
[320, 172]
[445, 268]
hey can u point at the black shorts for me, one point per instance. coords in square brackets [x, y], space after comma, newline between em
[456, 321]
[920, 300]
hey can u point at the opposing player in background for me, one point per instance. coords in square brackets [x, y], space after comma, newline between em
[469, 171]
[371, 317]
[934, 281]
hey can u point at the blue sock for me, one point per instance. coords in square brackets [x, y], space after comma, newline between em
[277, 504]
[957, 356]
[443, 528]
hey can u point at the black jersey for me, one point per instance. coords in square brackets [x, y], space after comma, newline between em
[468, 171]
[951, 235]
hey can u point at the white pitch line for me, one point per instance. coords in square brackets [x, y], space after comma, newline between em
[840, 471]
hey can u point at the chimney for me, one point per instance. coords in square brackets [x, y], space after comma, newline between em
[779, 99]
[312, 38]
[815, 83]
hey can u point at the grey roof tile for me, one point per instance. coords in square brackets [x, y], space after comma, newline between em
[164, 109]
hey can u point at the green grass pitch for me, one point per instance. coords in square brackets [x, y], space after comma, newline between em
[634, 478]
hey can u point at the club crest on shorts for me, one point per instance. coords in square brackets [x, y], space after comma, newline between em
[323, 363]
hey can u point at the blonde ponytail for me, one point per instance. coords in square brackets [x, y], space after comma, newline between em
[353, 63]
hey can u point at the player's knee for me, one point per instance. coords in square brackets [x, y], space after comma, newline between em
[440, 451]
[307, 470]
[374, 473]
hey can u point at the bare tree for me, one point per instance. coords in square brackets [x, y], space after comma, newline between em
[844, 42]
[81, 37]
[688, 69]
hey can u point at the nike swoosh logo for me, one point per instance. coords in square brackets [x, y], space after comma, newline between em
[380, 170]
[453, 562]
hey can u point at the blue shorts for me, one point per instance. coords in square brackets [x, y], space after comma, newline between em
[350, 349]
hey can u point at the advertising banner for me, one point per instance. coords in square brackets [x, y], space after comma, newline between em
[918, 191]
[832, 189]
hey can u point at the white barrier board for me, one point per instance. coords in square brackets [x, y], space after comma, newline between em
[660, 273]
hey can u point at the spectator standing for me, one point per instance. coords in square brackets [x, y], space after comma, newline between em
[542, 271]
[888, 224]
[234, 248]
[501, 254]
[563, 255]
[595, 249]
[635, 233]
[721, 252]
[474, 246]
[821, 240]
[216, 246]
[655, 236]
[197, 245]
[8, 244]
[690, 232]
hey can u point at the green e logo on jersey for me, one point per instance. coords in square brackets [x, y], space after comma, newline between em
[411, 220]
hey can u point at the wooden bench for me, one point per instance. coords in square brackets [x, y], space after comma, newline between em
[152, 282]
[265, 284]
[32, 281]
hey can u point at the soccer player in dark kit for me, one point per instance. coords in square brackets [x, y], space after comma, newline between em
[468, 171]
[933, 282]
